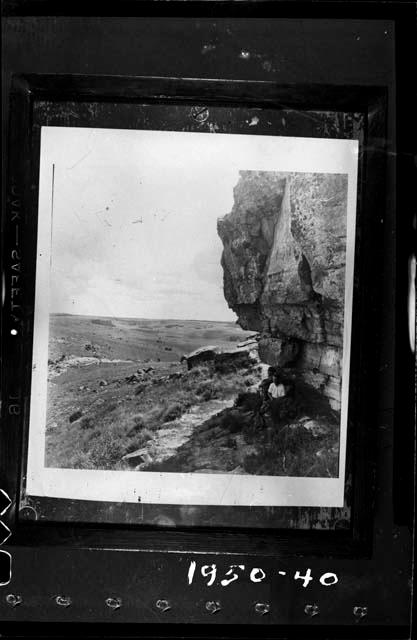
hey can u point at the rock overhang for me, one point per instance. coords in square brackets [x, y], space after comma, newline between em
[284, 269]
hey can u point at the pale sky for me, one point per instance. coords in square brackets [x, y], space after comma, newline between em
[136, 239]
[135, 213]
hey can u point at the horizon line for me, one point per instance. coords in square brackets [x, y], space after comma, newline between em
[87, 315]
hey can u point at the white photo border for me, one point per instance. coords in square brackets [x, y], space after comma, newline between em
[64, 146]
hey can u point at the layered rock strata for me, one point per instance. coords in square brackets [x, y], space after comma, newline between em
[284, 269]
[243, 354]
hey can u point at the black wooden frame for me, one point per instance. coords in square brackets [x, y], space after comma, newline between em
[22, 184]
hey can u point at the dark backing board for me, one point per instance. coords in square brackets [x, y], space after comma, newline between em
[341, 52]
[344, 113]
[221, 119]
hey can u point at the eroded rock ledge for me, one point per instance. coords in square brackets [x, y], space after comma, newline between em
[284, 269]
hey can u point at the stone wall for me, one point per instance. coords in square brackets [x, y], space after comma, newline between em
[284, 267]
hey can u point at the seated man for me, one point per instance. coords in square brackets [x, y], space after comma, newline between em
[281, 399]
[266, 383]
[276, 389]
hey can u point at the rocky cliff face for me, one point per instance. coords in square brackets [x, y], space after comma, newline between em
[284, 268]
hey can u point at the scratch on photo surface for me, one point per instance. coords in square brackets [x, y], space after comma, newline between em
[77, 216]
[104, 221]
[230, 480]
[140, 549]
[80, 160]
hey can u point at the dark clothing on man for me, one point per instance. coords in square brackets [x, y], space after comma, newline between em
[264, 386]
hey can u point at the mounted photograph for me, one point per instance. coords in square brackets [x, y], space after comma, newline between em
[193, 312]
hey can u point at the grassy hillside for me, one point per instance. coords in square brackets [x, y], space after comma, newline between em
[119, 417]
[136, 339]
[121, 401]
[119, 398]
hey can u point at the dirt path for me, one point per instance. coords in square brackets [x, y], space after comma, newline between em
[171, 437]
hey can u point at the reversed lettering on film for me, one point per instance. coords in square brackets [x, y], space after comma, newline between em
[15, 257]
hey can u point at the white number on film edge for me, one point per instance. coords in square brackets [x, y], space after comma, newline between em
[231, 572]
[256, 575]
